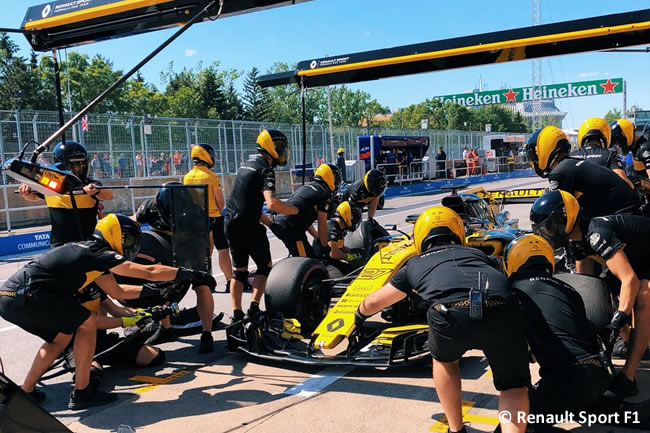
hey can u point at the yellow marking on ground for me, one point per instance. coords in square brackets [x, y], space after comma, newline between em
[156, 381]
[442, 425]
[482, 419]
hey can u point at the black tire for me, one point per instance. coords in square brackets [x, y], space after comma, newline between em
[595, 295]
[381, 203]
[295, 289]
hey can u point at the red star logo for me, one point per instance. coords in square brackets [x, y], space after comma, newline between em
[510, 95]
[609, 87]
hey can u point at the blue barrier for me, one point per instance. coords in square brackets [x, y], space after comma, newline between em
[31, 242]
[436, 185]
[38, 241]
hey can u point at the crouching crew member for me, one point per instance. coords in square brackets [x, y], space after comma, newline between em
[621, 242]
[624, 137]
[312, 201]
[443, 274]
[346, 219]
[70, 224]
[599, 191]
[561, 338]
[367, 191]
[157, 249]
[204, 159]
[42, 299]
[253, 186]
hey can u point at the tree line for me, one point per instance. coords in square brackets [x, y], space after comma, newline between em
[209, 92]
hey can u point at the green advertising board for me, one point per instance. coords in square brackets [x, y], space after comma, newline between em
[524, 94]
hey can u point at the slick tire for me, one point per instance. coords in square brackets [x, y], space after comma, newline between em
[595, 295]
[295, 289]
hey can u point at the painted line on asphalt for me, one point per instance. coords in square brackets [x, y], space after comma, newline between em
[155, 382]
[312, 385]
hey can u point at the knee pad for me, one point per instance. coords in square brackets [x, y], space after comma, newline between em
[159, 359]
[241, 276]
[263, 270]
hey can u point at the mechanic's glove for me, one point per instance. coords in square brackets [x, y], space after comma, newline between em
[185, 274]
[325, 252]
[619, 320]
[139, 320]
[351, 257]
[359, 319]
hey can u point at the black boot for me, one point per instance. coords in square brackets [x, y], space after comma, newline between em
[207, 342]
[89, 397]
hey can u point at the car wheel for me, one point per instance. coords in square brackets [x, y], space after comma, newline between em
[595, 295]
[295, 288]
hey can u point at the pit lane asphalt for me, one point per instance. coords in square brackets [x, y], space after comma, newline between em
[224, 392]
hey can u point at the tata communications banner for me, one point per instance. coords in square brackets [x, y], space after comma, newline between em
[549, 91]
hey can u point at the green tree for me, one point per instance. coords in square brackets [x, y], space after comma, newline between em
[255, 99]
[613, 115]
[185, 102]
[284, 101]
[234, 109]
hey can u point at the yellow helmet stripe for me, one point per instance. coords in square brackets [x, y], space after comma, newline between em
[265, 141]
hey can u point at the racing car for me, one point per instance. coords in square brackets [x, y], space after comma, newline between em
[302, 326]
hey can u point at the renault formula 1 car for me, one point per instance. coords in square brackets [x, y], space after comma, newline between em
[302, 326]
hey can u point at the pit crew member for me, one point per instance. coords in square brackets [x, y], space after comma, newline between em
[442, 274]
[347, 218]
[367, 191]
[253, 186]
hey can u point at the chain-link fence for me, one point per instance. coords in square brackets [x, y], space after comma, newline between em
[140, 146]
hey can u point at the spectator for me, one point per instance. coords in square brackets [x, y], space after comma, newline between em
[164, 164]
[97, 167]
[178, 158]
[472, 162]
[121, 166]
[107, 165]
[441, 157]
[139, 164]
[465, 153]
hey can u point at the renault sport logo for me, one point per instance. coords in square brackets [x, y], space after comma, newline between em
[313, 64]
[46, 11]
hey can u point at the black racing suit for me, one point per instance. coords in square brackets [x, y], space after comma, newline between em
[358, 194]
[337, 235]
[563, 342]
[43, 297]
[64, 217]
[641, 158]
[246, 235]
[442, 276]
[340, 163]
[290, 229]
[604, 236]
[606, 157]
[599, 190]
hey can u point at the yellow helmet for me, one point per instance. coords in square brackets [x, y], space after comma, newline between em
[544, 147]
[438, 223]
[554, 216]
[121, 233]
[273, 143]
[528, 250]
[597, 128]
[203, 153]
[329, 174]
[340, 151]
[622, 134]
[350, 214]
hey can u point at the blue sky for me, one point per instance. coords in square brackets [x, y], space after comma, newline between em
[322, 27]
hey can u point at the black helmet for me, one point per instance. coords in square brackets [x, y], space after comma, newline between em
[121, 233]
[622, 134]
[554, 215]
[164, 204]
[330, 175]
[375, 182]
[273, 144]
[350, 214]
[544, 147]
[203, 153]
[72, 156]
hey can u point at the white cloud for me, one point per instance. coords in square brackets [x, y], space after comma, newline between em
[588, 74]
[189, 52]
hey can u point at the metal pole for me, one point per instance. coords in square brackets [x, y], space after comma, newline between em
[110, 148]
[133, 152]
[127, 75]
[304, 130]
[4, 187]
[172, 167]
[329, 115]
[19, 130]
[624, 99]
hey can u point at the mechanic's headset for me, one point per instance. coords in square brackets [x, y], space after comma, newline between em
[375, 182]
[622, 134]
[544, 147]
[554, 216]
[528, 251]
[203, 153]
[350, 214]
[438, 225]
[274, 144]
[328, 174]
[595, 127]
[121, 233]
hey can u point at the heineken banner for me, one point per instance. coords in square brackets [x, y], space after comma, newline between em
[523, 94]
